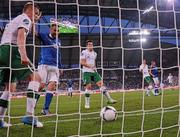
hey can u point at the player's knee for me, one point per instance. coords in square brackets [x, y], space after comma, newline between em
[35, 77]
[88, 86]
[103, 89]
[11, 87]
[34, 86]
[99, 83]
[150, 87]
[52, 86]
[42, 87]
[87, 93]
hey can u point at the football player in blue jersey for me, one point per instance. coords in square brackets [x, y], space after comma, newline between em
[69, 85]
[154, 74]
[49, 64]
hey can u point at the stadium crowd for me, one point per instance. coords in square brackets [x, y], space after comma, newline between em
[113, 79]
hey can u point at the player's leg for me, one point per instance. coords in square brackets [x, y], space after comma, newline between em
[99, 83]
[32, 97]
[53, 78]
[170, 84]
[41, 89]
[87, 85]
[51, 88]
[70, 90]
[87, 95]
[32, 90]
[71, 94]
[4, 79]
[19, 74]
[150, 85]
[156, 86]
[43, 73]
[4, 101]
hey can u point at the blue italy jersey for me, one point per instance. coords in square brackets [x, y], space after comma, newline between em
[69, 83]
[50, 52]
[154, 71]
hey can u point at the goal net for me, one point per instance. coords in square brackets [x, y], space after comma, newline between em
[124, 32]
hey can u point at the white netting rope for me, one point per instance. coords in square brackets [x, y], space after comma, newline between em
[9, 108]
[141, 112]
[80, 76]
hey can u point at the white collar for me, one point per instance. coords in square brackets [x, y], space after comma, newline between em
[90, 51]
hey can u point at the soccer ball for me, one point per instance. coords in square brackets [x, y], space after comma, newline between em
[108, 113]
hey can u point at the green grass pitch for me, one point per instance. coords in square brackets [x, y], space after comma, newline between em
[155, 121]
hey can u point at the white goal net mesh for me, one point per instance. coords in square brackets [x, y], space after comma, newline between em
[124, 33]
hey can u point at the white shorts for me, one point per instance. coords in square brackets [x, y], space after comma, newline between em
[48, 73]
[156, 80]
[70, 89]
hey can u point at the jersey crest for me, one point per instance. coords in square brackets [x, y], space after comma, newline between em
[26, 22]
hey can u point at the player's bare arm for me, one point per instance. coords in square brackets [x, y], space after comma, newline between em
[83, 63]
[21, 40]
[140, 69]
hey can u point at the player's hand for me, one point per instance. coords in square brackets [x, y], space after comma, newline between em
[24, 60]
[93, 68]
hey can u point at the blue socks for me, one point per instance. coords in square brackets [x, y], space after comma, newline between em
[48, 99]
[156, 90]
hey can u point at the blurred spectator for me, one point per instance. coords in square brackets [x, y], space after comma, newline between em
[113, 79]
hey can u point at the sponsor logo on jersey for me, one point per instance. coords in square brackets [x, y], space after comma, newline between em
[26, 22]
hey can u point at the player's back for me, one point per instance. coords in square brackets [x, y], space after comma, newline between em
[11, 30]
